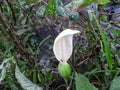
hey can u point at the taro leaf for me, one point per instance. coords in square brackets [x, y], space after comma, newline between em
[41, 11]
[24, 82]
[82, 83]
[62, 11]
[115, 84]
[51, 8]
[3, 68]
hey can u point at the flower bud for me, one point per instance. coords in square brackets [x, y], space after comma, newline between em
[64, 69]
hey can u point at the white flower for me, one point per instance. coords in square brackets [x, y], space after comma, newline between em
[63, 45]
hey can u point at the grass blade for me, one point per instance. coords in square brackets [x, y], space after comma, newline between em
[106, 46]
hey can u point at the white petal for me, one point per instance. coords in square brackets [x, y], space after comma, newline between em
[63, 45]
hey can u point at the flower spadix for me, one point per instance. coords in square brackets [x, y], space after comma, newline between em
[63, 47]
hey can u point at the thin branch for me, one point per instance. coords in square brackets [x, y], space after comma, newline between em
[12, 11]
[16, 40]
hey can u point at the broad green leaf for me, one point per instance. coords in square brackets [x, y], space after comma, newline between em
[24, 82]
[82, 83]
[115, 84]
[65, 12]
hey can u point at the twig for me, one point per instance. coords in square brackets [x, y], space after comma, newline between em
[16, 40]
[7, 25]
[1, 7]
[89, 54]
[80, 63]
[12, 11]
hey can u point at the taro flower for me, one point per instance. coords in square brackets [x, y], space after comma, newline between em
[63, 47]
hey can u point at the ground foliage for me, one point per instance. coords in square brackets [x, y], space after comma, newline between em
[28, 29]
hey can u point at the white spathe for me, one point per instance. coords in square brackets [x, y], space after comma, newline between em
[63, 45]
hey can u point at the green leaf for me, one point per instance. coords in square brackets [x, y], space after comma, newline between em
[115, 84]
[117, 32]
[24, 82]
[51, 8]
[103, 2]
[82, 83]
[2, 44]
[75, 4]
[41, 11]
[8, 48]
[87, 2]
[3, 68]
[62, 11]
[23, 4]
[106, 45]
[34, 75]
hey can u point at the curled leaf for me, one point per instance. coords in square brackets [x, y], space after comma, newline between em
[3, 68]
[24, 82]
[63, 45]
